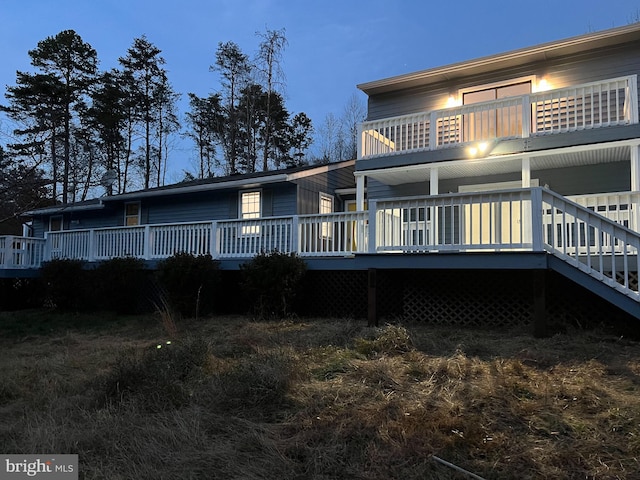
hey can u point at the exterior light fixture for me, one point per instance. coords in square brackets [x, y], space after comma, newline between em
[543, 85]
[477, 149]
[452, 102]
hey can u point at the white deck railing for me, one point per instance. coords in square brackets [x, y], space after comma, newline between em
[455, 222]
[596, 233]
[247, 238]
[593, 238]
[596, 245]
[621, 207]
[21, 252]
[336, 234]
[586, 106]
[332, 234]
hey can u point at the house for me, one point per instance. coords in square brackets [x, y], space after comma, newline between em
[511, 179]
[221, 216]
[532, 150]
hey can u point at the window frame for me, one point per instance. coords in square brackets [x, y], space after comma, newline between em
[127, 216]
[249, 230]
[533, 79]
[56, 217]
[326, 227]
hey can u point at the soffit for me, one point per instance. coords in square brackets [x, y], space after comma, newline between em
[500, 165]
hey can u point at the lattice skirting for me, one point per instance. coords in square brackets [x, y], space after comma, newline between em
[468, 298]
[496, 298]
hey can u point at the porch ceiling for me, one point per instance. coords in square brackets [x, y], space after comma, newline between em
[569, 157]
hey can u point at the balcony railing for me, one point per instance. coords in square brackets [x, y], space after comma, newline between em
[591, 105]
[21, 252]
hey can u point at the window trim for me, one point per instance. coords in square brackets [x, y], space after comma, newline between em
[325, 196]
[326, 227]
[127, 216]
[61, 218]
[249, 230]
[504, 83]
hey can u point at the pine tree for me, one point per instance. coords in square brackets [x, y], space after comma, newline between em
[71, 65]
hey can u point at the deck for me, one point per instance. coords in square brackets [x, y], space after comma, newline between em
[596, 235]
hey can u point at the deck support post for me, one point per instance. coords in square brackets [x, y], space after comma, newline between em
[635, 182]
[635, 168]
[360, 193]
[372, 314]
[539, 304]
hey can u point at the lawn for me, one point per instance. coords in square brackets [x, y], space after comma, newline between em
[227, 397]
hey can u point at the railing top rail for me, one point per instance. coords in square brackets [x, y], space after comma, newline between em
[422, 113]
[622, 79]
[333, 214]
[22, 238]
[89, 230]
[604, 194]
[508, 101]
[514, 191]
[259, 219]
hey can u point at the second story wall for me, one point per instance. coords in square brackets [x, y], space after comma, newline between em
[569, 70]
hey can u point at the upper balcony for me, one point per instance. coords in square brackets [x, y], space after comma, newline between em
[588, 106]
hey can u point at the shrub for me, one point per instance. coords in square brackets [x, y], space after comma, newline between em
[271, 282]
[65, 284]
[190, 282]
[121, 283]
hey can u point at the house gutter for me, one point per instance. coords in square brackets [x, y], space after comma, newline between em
[64, 208]
[249, 183]
[245, 182]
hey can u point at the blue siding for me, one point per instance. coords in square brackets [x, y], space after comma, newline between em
[570, 70]
[309, 189]
[278, 199]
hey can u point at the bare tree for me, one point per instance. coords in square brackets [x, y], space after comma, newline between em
[355, 111]
[269, 66]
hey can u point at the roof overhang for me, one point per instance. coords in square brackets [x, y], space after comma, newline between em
[501, 164]
[243, 182]
[59, 209]
[203, 187]
[249, 182]
[542, 52]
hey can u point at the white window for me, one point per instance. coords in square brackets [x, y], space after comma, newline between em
[55, 223]
[326, 207]
[250, 207]
[132, 214]
[326, 203]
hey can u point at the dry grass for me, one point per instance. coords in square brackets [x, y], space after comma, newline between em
[319, 399]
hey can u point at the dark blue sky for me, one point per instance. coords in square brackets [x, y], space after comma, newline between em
[333, 45]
